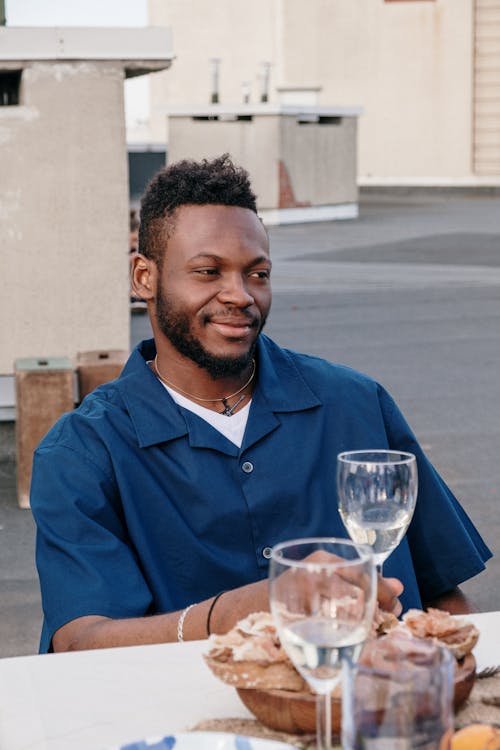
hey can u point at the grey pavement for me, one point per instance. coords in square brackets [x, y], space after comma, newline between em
[408, 293]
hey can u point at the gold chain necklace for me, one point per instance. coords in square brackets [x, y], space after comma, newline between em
[228, 411]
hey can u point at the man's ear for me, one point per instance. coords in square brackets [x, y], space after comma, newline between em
[143, 277]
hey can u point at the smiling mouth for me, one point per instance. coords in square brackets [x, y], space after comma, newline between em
[232, 329]
[235, 328]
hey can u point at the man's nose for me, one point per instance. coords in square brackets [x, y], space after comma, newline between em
[234, 290]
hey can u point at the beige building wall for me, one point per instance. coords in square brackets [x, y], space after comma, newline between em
[64, 253]
[242, 35]
[409, 65]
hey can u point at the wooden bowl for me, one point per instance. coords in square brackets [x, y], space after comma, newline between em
[284, 711]
[295, 713]
[465, 675]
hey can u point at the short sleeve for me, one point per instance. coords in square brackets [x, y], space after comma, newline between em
[445, 547]
[85, 562]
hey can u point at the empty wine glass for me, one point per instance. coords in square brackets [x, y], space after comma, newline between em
[322, 594]
[377, 492]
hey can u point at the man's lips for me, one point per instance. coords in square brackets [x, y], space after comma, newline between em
[234, 327]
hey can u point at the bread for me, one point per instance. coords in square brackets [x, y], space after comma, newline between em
[383, 622]
[459, 635]
[251, 656]
[254, 674]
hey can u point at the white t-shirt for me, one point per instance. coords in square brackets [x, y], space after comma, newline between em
[232, 427]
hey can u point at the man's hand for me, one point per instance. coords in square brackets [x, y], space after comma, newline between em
[389, 591]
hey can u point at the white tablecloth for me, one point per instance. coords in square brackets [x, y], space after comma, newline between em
[95, 699]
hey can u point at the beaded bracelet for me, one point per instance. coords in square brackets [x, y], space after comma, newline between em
[216, 597]
[180, 623]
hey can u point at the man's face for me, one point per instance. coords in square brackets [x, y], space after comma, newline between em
[214, 290]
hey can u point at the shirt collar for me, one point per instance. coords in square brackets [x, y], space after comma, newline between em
[156, 418]
[279, 380]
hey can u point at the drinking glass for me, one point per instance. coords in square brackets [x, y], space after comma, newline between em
[377, 492]
[401, 696]
[322, 594]
[382, 710]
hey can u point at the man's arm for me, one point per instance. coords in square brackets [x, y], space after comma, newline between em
[95, 631]
[453, 601]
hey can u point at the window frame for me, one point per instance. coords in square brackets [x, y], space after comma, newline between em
[10, 87]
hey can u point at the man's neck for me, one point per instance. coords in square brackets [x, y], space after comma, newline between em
[224, 395]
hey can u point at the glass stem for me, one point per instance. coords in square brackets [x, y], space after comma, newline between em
[347, 722]
[324, 722]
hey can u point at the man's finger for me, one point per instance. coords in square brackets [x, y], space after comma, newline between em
[389, 591]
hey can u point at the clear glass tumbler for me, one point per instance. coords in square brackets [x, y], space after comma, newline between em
[400, 696]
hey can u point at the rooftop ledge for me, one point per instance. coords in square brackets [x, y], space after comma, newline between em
[141, 50]
[228, 112]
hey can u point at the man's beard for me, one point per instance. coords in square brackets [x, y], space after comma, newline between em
[175, 326]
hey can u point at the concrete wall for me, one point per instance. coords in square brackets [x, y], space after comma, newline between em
[409, 65]
[294, 160]
[321, 159]
[254, 145]
[64, 212]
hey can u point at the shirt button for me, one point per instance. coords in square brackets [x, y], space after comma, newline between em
[247, 467]
[267, 552]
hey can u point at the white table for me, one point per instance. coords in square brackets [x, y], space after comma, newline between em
[91, 700]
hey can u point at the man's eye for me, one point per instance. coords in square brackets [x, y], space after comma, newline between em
[207, 271]
[264, 274]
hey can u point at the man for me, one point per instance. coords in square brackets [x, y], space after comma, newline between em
[157, 501]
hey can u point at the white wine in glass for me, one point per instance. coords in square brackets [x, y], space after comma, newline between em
[322, 594]
[377, 492]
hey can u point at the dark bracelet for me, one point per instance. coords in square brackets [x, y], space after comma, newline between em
[216, 597]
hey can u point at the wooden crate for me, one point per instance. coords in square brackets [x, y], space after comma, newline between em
[44, 391]
[96, 367]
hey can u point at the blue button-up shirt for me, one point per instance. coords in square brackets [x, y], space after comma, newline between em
[142, 507]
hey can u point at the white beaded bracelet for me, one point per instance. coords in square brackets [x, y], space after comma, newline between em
[180, 623]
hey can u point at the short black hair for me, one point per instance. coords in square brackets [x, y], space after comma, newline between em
[187, 182]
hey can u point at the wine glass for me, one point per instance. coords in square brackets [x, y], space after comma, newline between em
[377, 492]
[322, 594]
